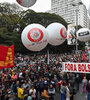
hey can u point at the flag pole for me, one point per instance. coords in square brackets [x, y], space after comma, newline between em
[48, 56]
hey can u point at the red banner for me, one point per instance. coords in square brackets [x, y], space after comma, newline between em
[6, 56]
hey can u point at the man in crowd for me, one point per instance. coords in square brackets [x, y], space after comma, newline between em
[88, 89]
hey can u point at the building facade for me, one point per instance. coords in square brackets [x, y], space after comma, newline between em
[68, 8]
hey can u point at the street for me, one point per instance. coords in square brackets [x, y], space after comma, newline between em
[78, 96]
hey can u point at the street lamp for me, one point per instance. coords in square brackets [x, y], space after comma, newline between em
[76, 4]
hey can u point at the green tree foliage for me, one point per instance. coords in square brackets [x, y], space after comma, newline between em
[9, 9]
[29, 17]
[9, 25]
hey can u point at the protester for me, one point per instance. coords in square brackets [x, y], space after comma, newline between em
[63, 91]
[88, 90]
[71, 92]
[29, 97]
[20, 93]
[84, 84]
[67, 93]
[51, 92]
[26, 84]
[32, 91]
[77, 81]
[45, 93]
[26, 93]
[41, 85]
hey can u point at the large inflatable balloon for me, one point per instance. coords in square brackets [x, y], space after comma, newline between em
[83, 34]
[34, 37]
[57, 33]
[26, 3]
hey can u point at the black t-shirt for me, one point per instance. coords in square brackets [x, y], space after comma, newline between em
[88, 87]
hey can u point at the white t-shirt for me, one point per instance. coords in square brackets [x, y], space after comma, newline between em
[32, 92]
[20, 74]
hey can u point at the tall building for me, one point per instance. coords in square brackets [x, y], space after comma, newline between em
[89, 10]
[68, 8]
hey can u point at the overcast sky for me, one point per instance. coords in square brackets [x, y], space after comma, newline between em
[44, 5]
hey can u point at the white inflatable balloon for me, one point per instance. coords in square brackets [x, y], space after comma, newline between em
[34, 37]
[57, 33]
[26, 3]
[83, 34]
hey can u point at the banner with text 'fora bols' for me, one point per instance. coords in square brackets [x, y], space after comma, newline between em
[76, 67]
[6, 56]
[71, 38]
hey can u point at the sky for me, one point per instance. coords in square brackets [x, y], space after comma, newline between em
[44, 5]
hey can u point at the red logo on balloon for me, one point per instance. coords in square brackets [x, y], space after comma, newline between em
[63, 32]
[35, 35]
[19, 1]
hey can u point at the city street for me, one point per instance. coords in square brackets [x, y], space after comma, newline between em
[78, 96]
[44, 49]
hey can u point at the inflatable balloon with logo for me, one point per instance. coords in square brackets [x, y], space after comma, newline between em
[83, 34]
[26, 3]
[57, 33]
[34, 37]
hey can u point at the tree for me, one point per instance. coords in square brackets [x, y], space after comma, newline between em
[29, 17]
[9, 9]
[9, 29]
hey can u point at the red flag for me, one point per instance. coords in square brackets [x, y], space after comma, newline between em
[84, 58]
[6, 56]
[83, 75]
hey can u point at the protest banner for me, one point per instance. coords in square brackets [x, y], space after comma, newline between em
[76, 67]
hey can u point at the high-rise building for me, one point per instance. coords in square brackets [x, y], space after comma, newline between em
[89, 10]
[68, 8]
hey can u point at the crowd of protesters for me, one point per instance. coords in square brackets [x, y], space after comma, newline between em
[33, 79]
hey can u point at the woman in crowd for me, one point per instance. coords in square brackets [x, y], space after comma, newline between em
[84, 84]
[67, 93]
[32, 91]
